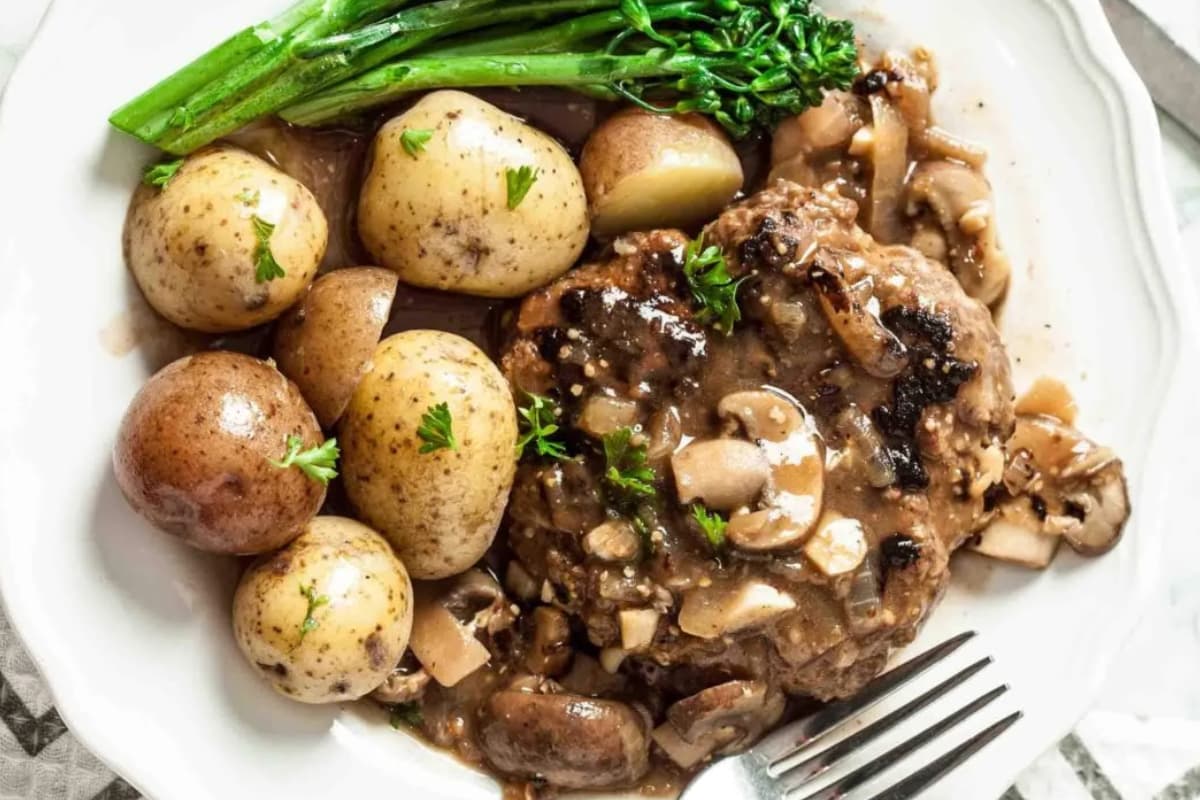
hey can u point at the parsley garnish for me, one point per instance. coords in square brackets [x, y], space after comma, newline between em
[160, 174]
[626, 470]
[712, 287]
[266, 268]
[413, 141]
[437, 429]
[539, 421]
[519, 181]
[712, 524]
[407, 714]
[319, 463]
[315, 601]
[248, 197]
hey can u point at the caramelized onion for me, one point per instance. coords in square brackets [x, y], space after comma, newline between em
[889, 160]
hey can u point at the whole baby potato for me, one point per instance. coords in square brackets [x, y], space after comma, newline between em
[437, 208]
[327, 618]
[645, 170]
[194, 454]
[440, 509]
[206, 249]
[324, 343]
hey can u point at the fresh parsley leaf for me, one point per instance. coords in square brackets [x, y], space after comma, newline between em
[519, 181]
[414, 140]
[319, 463]
[712, 287]
[712, 524]
[538, 422]
[645, 534]
[266, 268]
[437, 429]
[315, 601]
[626, 470]
[248, 197]
[407, 715]
[160, 174]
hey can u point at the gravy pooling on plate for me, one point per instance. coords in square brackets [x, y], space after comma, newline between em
[701, 477]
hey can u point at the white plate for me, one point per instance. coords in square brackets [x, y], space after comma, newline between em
[131, 630]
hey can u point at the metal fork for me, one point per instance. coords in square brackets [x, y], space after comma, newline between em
[781, 765]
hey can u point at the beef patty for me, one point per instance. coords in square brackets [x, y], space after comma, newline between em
[870, 359]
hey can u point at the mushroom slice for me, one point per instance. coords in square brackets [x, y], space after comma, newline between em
[615, 540]
[518, 581]
[722, 473]
[638, 626]
[603, 415]
[446, 648]
[719, 720]
[402, 686]
[1015, 539]
[684, 753]
[839, 546]
[448, 616]
[549, 650]
[714, 611]
[961, 200]
[1104, 508]
[1060, 485]
[857, 325]
[762, 531]
[791, 500]
[664, 432]
[1082, 485]
[748, 707]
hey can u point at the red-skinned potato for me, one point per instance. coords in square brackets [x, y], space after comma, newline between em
[644, 171]
[325, 342]
[194, 454]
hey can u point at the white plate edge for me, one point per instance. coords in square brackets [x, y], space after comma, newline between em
[1155, 223]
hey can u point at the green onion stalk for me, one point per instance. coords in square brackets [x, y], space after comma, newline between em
[746, 63]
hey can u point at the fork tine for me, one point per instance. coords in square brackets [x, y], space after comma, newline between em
[925, 777]
[787, 740]
[866, 772]
[821, 762]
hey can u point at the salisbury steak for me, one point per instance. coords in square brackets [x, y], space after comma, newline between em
[849, 428]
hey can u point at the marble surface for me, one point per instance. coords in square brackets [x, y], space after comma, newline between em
[1141, 742]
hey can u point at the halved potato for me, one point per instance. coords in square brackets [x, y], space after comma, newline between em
[644, 170]
[324, 344]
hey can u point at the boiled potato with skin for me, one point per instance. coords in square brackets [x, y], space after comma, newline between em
[324, 343]
[194, 246]
[327, 618]
[439, 216]
[644, 171]
[439, 509]
[194, 454]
